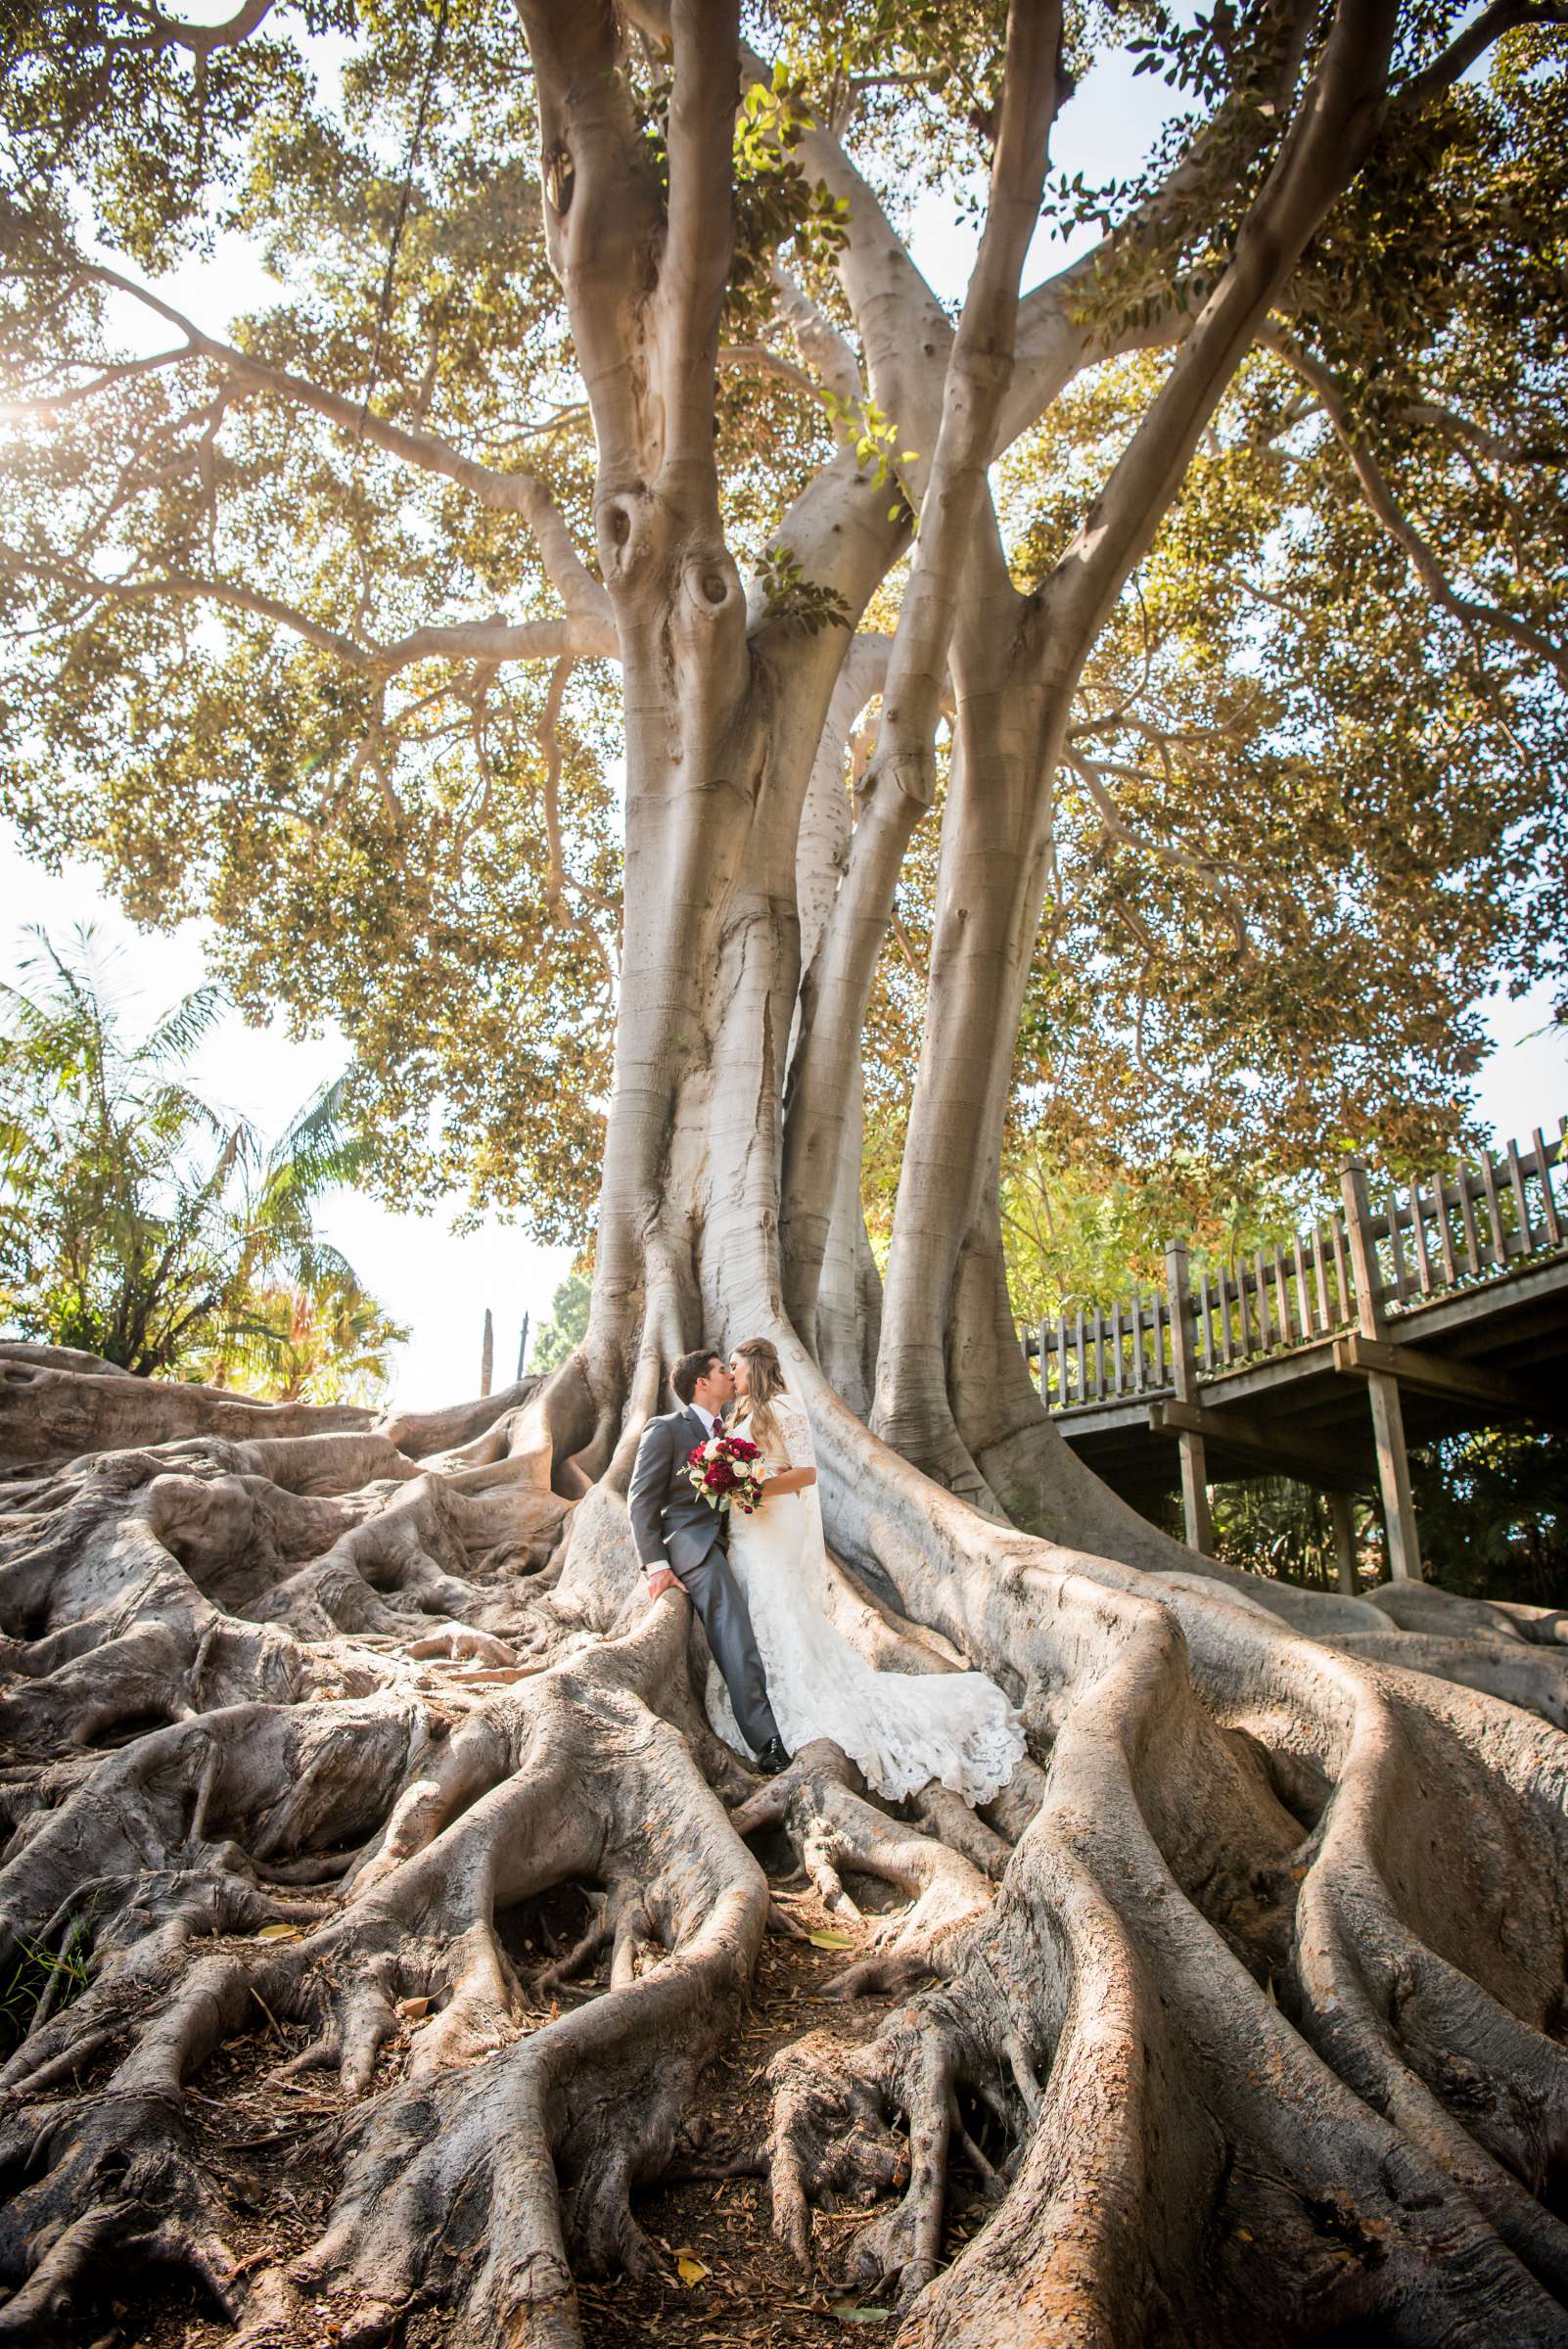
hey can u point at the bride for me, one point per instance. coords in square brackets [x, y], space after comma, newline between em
[903, 1729]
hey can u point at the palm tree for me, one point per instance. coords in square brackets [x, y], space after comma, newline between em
[137, 1220]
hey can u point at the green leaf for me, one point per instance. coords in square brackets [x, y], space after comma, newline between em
[829, 1938]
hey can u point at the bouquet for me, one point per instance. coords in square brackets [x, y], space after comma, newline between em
[724, 1471]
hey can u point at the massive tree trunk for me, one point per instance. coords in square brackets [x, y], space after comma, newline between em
[341, 1754]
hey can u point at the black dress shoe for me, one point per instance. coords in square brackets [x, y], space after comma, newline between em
[772, 1758]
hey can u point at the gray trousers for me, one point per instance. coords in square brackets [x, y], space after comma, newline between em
[726, 1619]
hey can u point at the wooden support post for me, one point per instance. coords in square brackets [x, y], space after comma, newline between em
[1197, 1522]
[1341, 1516]
[522, 1346]
[488, 1353]
[1388, 1419]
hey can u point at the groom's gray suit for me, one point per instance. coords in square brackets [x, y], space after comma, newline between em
[674, 1526]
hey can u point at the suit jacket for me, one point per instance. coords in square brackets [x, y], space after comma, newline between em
[668, 1520]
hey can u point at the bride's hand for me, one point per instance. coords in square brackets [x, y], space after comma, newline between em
[787, 1480]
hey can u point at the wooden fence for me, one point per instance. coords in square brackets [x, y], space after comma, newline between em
[1426, 1238]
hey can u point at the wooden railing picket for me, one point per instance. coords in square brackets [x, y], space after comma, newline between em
[1472, 1245]
[1320, 1278]
[1282, 1298]
[1080, 1351]
[1402, 1284]
[1204, 1325]
[1304, 1301]
[1548, 1204]
[1527, 1237]
[1445, 1232]
[1489, 1184]
[1423, 1262]
[1342, 1308]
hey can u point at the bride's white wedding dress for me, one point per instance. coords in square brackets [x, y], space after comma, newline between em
[903, 1729]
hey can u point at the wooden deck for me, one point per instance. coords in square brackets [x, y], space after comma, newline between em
[1446, 1308]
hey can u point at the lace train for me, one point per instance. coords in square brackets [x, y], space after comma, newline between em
[901, 1728]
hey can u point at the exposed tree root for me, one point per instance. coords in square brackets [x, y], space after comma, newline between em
[1241, 2009]
[820, 1804]
[50, 1411]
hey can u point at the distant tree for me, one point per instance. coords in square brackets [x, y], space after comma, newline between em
[567, 1323]
[1493, 1514]
[140, 1222]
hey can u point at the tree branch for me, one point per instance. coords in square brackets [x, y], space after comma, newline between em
[1461, 52]
[699, 243]
[601, 215]
[197, 40]
[1333, 130]
[901, 325]
[1491, 445]
[756, 358]
[817, 340]
[459, 640]
[524, 494]
[42, 405]
[1093, 774]
[1396, 523]
[977, 377]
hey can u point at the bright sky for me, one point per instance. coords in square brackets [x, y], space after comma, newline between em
[430, 1279]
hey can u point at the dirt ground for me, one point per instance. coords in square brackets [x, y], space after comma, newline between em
[721, 2281]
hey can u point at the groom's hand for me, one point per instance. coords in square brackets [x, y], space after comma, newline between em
[661, 1582]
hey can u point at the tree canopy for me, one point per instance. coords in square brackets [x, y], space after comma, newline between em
[308, 633]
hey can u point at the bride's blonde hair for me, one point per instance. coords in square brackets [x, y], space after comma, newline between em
[765, 1383]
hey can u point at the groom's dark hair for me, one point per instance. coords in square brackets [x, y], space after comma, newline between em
[690, 1369]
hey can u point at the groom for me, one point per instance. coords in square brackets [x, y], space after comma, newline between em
[680, 1540]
